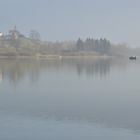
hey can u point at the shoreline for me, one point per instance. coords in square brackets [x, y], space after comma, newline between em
[48, 57]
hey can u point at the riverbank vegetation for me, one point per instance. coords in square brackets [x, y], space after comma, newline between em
[17, 45]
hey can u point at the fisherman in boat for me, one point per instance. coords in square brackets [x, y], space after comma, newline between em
[132, 57]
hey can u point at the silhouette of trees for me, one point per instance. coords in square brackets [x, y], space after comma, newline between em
[80, 45]
[90, 44]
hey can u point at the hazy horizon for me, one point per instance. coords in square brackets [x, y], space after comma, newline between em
[55, 20]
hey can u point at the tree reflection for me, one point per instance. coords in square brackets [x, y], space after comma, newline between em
[17, 70]
[91, 68]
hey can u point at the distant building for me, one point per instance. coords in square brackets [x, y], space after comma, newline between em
[1, 34]
[15, 34]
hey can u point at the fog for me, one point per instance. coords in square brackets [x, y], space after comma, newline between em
[63, 20]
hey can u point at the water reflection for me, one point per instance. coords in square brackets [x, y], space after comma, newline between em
[65, 91]
[16, 70]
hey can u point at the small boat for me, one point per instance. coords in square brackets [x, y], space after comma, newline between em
[132, 57]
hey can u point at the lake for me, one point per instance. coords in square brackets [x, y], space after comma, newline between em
[70, 99]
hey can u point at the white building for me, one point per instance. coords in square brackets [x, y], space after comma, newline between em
[1, 34]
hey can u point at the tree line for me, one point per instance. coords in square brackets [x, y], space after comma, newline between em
[97, 45]
[16, 43]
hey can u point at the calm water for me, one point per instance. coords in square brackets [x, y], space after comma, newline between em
[69, 99]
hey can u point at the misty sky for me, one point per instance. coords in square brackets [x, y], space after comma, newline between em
[116, 20]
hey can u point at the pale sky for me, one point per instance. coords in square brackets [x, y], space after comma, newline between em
[116, 20]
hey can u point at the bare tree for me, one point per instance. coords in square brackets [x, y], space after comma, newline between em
[34, 35]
